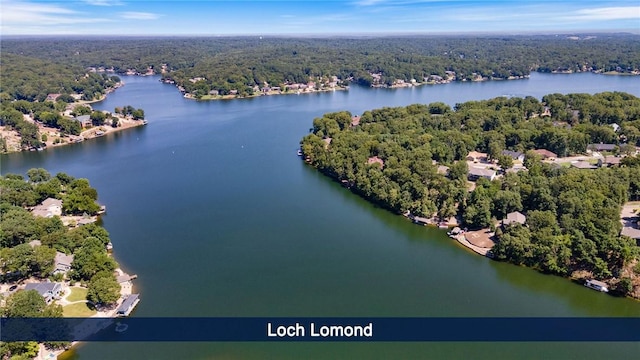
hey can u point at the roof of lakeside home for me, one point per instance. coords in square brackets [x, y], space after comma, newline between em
[583, 165]
[545, 153]
[355, 120]
[515, 216]
[51, 202]
[476, 154]
[45, 208]
[612, 160]
[63, 259]
[375, 160]
[601, 147]
[43, 287]
[481, 172]
[512, 154]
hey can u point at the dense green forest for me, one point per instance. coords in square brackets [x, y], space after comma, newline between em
[32, 79]
[573, 215]
[241, 63]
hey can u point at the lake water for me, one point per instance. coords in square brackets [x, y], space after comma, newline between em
[213, 210]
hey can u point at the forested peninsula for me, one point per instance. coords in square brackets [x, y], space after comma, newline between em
[567, 164]
[55, 258]
[223, 67]
[44, 104]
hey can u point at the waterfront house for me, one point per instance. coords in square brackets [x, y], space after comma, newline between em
[49, 291]
[48, 208]
[84, 120]
[355, 121]
[62, 263]
[514, 217]
[477, 173]
[515, 155]
[128, 305]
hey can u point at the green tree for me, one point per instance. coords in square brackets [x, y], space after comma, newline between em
[103, 289]
[26, 303]
[90, 259]
[98, 118]
[137, 114]
[38, 175]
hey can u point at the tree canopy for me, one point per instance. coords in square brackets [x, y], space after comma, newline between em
[573, 215]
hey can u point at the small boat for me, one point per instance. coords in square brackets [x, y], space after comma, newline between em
[596, 285]
[109, 246]
[299, 152]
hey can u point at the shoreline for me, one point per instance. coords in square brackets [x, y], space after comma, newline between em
[401, 85]
[13, 138]
[234, 97]
[88, 134]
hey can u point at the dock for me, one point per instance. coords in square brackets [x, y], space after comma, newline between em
[128, 305]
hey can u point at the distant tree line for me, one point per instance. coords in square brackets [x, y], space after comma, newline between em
[32, 79]
[240, 63]
[573, 215]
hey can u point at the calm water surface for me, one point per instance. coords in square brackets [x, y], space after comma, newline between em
[211, 207]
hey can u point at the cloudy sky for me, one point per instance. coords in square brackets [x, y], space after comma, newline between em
[226, 17]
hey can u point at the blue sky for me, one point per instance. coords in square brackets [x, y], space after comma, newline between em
[225, 17]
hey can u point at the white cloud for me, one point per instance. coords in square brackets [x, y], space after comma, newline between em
[608, 13]
[136, 15]
[20, 17]
[103, 2]
[368, 2]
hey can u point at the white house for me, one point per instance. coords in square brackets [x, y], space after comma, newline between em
[49, 208]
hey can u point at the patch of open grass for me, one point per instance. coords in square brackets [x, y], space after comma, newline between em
[78, 310]
[77, 294]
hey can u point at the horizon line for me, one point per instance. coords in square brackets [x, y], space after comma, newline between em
[345, 34]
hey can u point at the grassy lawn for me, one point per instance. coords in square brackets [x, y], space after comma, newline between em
[77, 310]
[77, 294]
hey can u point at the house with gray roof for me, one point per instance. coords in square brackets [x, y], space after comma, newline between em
[583, 165]
[84, 120]
[477, 173]
[49, 291]
[515, 155]
[601, 147]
